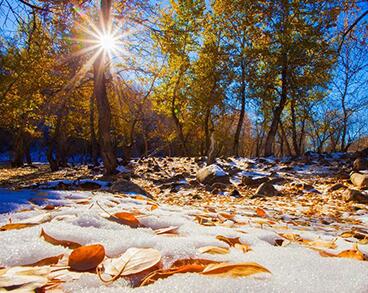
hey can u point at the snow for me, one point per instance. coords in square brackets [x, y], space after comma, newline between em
[294, 268]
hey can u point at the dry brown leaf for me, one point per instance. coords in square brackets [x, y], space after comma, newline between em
[243, 247]
[16, 226]
[354, 253]
[228, 240]
[213, 250]
[192, 261]
[47, 261]
[162, 274]
[234, 269]
[172, 230]
[52, 240]
[125, 218]
[86, 258]
[133, 261]
[154, 207]
[49, 207]
[261, 213]
[227, 216]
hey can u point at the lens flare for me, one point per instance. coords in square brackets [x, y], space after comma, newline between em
[107, 42]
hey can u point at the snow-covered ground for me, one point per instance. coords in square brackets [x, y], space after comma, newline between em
[295, 266]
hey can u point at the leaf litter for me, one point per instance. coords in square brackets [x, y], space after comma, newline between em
[216, 236]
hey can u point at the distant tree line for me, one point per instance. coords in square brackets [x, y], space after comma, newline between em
[188, 78]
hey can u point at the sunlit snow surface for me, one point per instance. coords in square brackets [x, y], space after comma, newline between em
[294, 268]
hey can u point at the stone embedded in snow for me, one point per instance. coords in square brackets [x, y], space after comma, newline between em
[266, 189]
[212, 174]
[89, 185]
[354, 195]
[336, 186]
[253, 182]
[124, 185]
[360, 164]
[359, 180]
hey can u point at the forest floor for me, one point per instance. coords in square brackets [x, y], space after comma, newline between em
[155, 227]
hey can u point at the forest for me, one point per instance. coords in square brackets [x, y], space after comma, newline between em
[184, 145]
[181, 78]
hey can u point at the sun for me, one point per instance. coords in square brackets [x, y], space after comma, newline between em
[107, 42]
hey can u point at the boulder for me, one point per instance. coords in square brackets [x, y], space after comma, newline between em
[126, 186]
[253, 182]
[354, 195]
[89, 185]
[235, 193]
[336, 186]
[212, 174]
[360, 164]
[266, 189]
[359, 180]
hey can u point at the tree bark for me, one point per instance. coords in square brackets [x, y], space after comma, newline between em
[93, 138]
[293, 123]
[278, 111]
[18, 149]
[242, 112]
[103, 106]
[178, 126]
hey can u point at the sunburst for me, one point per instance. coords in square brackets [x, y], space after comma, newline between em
[110, 42]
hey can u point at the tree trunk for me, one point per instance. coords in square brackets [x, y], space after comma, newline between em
[103, 106]
[242, 112]
[278, 110]
[178, 126]
[18, 149]
[207, 131]
[211, 152]
[345, 122]
[294, 131]
[93, 140]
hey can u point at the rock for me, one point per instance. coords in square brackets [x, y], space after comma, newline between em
[63, 186]
[342, 174]
[278, 180]
[266, 189]
[359, 180]
[212, 174]
[253, 182]
[360, 164]
[89, 185]
[197, 197]
[216, 186]
[124, 185]
[235, 193]
[354, 195]
[336, 186]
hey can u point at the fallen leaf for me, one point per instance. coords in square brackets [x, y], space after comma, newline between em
[354, 253]
[192, 261]
[86, 258]
[52, 240]
[228, 240]
[169, 230]
[154, 207]
[125, 218]
[234, 269]
[47, 261]
[162, 274]
[213, 250]
[261, 213]
[242, 247]
[26, 279]
[49, 207]
[16, 226]
[27, 222]
[133, 261]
